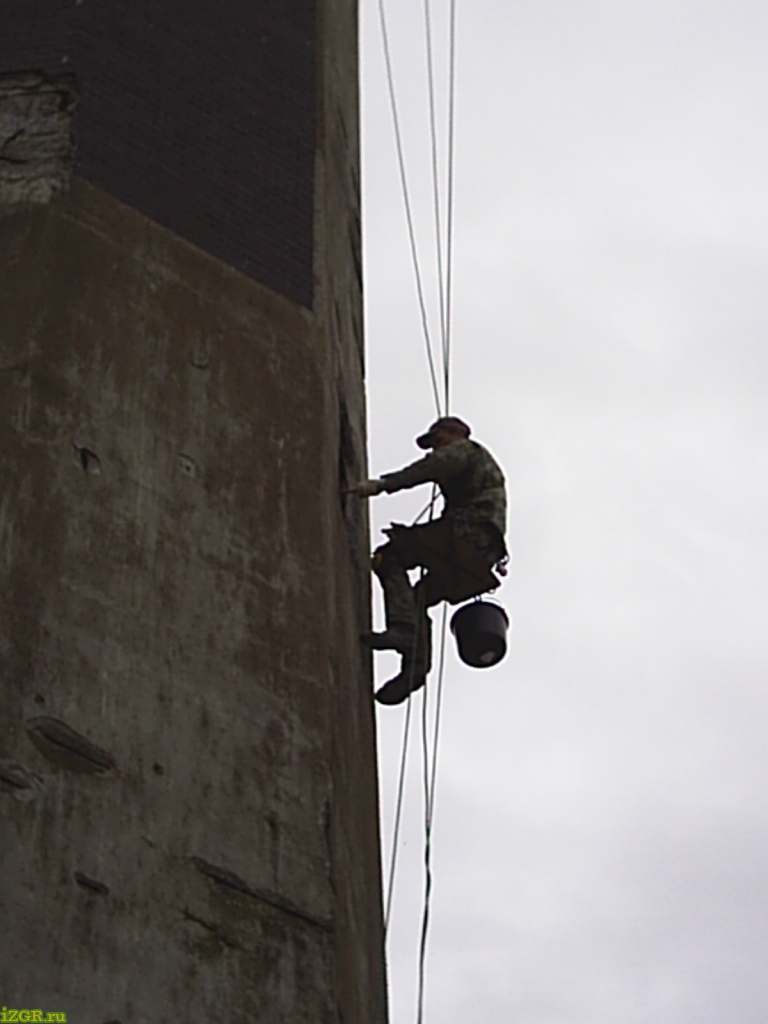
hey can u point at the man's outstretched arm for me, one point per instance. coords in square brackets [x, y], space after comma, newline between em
[366, 489]
[436, 467]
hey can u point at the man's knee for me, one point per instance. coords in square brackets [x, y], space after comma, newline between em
[430, 590]
[385, 561]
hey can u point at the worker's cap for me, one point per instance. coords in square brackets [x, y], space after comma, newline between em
[451, 423]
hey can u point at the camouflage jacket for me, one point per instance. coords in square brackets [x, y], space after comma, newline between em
[468, 476]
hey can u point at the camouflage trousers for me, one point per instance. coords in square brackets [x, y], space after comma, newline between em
[456, 558]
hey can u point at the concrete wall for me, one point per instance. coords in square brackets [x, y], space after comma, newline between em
[188, 808]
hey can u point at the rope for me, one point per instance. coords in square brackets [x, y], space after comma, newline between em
[406, 730]
[449, 203]
[427, 863]
[438, 709]
[430, 776]
[407, 203]
[398, 812]
[435, 177]
[445, 300]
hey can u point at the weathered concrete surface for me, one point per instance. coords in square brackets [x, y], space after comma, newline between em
[187, 765]
[36, 137]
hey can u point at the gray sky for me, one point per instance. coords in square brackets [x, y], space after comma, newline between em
[600, 838]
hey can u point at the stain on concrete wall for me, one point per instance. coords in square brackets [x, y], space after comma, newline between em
[36, 136]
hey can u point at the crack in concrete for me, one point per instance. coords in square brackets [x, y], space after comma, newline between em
[212, 928]
[91, 884]
[67, 748]
[227, 878]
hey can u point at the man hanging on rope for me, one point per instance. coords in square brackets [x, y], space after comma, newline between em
[458, 550]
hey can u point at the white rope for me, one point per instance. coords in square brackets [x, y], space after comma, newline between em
[449, 204]
[398, 813]
[435, 179]
[445, 298]
[430, 777]
[407, 204]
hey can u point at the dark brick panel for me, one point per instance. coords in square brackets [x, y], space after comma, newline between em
[199, 114]
[35, 36]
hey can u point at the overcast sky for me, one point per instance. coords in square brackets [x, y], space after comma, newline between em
[600, 842]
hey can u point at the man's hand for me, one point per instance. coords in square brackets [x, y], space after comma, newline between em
[367, 489]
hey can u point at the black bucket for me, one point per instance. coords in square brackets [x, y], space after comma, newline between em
[480, 629]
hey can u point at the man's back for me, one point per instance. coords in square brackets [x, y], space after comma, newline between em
[468, 476]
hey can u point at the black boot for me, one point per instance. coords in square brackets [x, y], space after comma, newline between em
[411, 677]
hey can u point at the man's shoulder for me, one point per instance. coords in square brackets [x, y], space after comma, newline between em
[482, 457]
[458, 453]
[462, 446]
[464, 455]
[477, 450]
